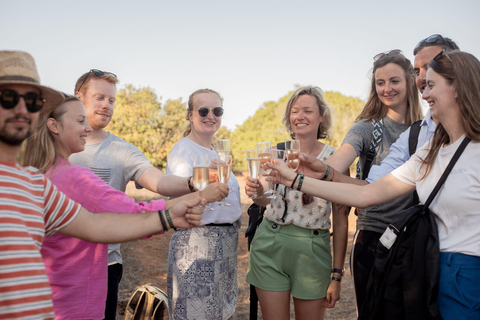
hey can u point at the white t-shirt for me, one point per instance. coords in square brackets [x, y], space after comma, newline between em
[180, 163]
[457, 204]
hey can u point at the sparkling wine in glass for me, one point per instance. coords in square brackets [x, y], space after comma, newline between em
[265, 155]
[292, 148]
[278, 155]
[224, 168]
[224, 149]
[200, 173]
[253, 166]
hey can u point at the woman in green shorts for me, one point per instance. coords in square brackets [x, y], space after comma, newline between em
[291, 254]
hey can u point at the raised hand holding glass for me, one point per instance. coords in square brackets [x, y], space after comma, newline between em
[253, 166]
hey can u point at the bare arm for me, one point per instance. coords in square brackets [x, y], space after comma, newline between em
[175, 186]
[343, 158]
[381, 191]
[167, 185]
[317, 169]
[116, 227]
[340, 238]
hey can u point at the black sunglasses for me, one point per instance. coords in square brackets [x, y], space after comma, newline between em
[10, 98]
[203, 112]
[390, 53]
[434, 39]
[98, 73]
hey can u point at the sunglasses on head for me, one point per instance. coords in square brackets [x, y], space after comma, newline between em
[390, 53]
[203, 112]
[98, 73]
[442, 54]
[434, 39]
[10, 98]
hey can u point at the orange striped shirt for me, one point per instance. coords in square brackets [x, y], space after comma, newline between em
[30, 208]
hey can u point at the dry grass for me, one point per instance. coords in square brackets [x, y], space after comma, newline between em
[145, 262]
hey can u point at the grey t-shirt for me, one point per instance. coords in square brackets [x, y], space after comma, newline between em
[116, 162]
[377, 218]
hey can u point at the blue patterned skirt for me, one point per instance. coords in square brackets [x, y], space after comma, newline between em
[202, 280]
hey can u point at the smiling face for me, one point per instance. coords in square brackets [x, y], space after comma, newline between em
[17, 124]
[441, 96]
[71, 129]
[305, 116]
[422, 58]
[205, 125]
[391, 86]
[99, 101]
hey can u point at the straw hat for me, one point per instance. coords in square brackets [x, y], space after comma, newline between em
[17, 67]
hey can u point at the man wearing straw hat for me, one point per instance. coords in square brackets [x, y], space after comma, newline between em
[32, 207]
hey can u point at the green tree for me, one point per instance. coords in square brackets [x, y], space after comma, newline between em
[140, 119]
[266, 125]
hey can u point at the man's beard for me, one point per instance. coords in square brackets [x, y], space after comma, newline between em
[16, 138]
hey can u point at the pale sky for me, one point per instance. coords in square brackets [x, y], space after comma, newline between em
[249, 51]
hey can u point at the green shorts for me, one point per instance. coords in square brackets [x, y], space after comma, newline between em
[287, 257]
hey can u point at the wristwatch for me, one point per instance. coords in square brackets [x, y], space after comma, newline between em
[192, 189]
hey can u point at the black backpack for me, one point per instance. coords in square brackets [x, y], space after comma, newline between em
[403, 283]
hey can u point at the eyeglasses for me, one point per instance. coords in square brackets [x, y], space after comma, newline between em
[10, 98]
[434, 39]
[203, 112]
[98, 73]
[390, 53]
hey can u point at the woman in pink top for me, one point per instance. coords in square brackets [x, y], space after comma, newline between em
[77, 269]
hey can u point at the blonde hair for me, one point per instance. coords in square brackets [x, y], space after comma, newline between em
[323, 108]
[376, 109]
[191, 101]
[40, 149]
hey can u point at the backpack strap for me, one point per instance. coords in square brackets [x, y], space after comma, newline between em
[376, 140]
[445, 174]
[412, 148]
[413, 137]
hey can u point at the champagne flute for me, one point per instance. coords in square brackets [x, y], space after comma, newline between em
[292, 148]
[264, 154]
[223, 149]
[253, 166]
[200, 175]
[278, 155]
[224, 169]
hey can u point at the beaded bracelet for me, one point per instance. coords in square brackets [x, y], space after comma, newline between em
[326, 173]
[294, 180]
[162, 220]
[192, 189]
[336, 279]
[300, 182]
[167, 214]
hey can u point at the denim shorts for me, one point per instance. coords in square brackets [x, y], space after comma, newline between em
[287, 257]
[459, 292]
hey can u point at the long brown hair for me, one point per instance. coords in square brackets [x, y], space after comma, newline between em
[376, 109]
[40, 149]
[462, 70]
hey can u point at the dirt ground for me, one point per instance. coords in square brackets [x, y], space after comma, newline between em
[145, 262]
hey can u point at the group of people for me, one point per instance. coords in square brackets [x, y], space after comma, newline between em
[54, 257]
[387, 176]
[56, 208]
